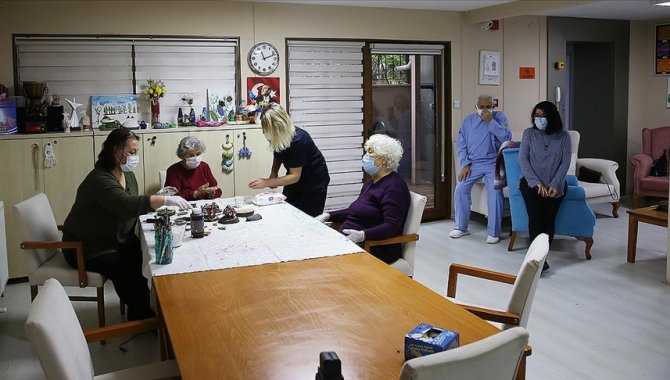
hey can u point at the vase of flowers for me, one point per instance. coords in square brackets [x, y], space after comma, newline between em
[155, 90]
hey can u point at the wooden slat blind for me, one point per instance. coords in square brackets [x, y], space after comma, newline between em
[81, 66]
[326, 99]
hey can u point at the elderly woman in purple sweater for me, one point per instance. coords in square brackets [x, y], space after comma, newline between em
[381, 208]
[544, 158]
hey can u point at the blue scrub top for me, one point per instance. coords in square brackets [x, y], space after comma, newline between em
[303, 153]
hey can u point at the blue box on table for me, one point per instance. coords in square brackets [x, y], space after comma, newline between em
[426, 339]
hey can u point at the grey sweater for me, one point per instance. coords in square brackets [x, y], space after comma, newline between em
[104, 214]
[545, 158]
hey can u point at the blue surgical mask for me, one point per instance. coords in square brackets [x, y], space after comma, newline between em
[369, 165]
[541, 123]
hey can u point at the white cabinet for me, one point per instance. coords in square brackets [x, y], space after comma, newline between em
[159, 151]
[258, 165]
[24, 174]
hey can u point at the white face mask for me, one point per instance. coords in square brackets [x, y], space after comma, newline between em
[193, 162]
[131, 163]
[479, 111]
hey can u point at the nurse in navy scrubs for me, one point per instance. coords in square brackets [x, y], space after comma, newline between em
[306, 179]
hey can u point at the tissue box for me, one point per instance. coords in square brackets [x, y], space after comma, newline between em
[426, 339]
[269, 198]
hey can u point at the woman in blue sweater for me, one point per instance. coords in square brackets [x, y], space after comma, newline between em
[381, 208]
[544, 158]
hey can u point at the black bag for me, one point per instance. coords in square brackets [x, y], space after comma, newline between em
[588, 175]
[660, 167]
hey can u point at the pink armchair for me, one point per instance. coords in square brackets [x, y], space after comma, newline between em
[654, 141]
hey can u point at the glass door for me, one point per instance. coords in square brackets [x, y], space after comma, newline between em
[406, 93]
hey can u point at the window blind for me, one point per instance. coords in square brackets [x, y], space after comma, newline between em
[187, 68]
[83, 66]
[325, 81]
[76, 69]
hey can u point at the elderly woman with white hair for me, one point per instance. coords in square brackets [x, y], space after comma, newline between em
[191, 176]
[381, 208]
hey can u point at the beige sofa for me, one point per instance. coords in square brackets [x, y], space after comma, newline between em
[596, 193]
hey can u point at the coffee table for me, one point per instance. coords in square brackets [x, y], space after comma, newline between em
[644, 215]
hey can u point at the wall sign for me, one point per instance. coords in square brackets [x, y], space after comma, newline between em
[527, 72]
[489, 67]
[663, 49]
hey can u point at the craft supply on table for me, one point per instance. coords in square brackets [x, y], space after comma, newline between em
[197, 223]
[163, 237]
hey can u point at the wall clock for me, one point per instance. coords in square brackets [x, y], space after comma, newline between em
[263, 58]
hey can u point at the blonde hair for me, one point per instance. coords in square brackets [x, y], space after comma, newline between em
[386, 147]
[277, 125]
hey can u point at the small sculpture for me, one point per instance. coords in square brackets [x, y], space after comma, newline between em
[55, 100]
[49, 156]
[85, 122]
[229, 216]
[66, 125]
[74, 120]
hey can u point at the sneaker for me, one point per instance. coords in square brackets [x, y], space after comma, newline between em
[492, 239]
[458, 233]
[545, 266]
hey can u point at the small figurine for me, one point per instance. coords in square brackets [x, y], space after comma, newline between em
[85, 122]
[66, 125]
[74, 120]
[143, 125]
[3, 92]
[55, 100]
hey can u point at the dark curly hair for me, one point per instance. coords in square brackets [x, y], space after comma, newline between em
[554, 123]
[117, 139]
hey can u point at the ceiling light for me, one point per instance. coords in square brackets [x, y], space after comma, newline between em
[661, 3]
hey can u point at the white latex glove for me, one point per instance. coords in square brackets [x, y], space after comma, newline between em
[323, 217]
[355, 236]
[176, 200]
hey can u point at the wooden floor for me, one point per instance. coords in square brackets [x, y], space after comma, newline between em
[598, 319]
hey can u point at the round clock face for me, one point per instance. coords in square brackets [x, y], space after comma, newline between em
[263, 58]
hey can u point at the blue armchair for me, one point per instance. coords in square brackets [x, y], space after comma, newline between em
[575, 217]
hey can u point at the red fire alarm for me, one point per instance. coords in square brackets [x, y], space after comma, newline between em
[527, 72]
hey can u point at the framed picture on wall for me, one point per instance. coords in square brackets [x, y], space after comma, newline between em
[489, 67]
[662, 62]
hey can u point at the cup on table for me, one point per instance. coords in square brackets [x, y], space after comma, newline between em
[239, 201]
[178, 231]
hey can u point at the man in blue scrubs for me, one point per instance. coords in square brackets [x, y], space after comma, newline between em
[479, 139]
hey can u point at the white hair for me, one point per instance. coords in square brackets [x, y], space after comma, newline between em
[486, 97]
[190, 143]
[387, 147]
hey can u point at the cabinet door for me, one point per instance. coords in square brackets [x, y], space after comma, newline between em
[21, 179]
[159, 151]
[258, 166]
[213, 139]
[100, 138]
[74, 160]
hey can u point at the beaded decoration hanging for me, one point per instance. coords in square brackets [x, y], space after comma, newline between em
[227, 156]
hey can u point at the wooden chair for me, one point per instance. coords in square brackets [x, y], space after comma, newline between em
[523, 284]
[40, 238]
[409, 237]
[61, 345]
[494, 358]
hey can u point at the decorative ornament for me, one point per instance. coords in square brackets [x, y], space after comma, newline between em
[49, 156]
[74, 119]
[227, 163]
[244, 152]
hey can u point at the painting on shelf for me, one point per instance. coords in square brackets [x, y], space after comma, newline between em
[114, 109]
[221, 104]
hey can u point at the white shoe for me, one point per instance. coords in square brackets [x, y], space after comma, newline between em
[458, 233]
[492, 239]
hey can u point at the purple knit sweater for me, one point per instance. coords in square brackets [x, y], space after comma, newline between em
[380, 210]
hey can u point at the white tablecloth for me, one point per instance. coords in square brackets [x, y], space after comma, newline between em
[284, 234]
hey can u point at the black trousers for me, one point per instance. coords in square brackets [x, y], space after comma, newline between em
[311, 203]
[124, 269]
[541, 211]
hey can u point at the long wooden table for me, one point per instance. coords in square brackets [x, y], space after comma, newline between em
[271, 321]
